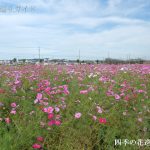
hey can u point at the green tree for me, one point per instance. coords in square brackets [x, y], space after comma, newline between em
[14, 60]
[78, 61]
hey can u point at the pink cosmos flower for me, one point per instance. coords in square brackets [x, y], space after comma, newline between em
[122, 94]
[84, 92]
[110, 93]
[47, 83]
[40, 139]
[48, 110]
[7, 120]
[58, 117]
[80, 79]
[99, 109]
[62, 98]
[90, 89]
[104, 79]
[17, 82]
[13, 112]
[78, 115]
[36, 146]
[126, 98]
[102, 120]
[45, 98]
[66, 91]
[140, 91]
[94, 118]
[39, 96]
[50, 116]
[57, 109]
[13, 105]
[36, 101]
[45, 103]
[117, 97]
[14, 89]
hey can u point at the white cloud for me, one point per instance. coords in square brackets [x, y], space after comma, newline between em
[62, 27]
[112, 4]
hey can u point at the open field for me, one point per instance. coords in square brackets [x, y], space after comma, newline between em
[74, 107]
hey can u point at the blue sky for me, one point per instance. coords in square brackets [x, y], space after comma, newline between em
[120, 28]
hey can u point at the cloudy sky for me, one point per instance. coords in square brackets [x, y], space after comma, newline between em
[98, 28]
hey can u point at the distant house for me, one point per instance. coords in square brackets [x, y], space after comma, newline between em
[71, 61]
[21, 61]
[147, 62]
[46, 60]
[5, 62]
[1, 62]
[28, 61]
[88, 62]
[32, 61]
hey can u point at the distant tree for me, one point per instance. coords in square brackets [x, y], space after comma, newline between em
[78, 61]
[97, 61]
[24, 60]
[14, 60]
[41, 60]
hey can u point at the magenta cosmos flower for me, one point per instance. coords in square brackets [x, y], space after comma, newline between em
[36, 146]
[50, 116]
[54, 122]
[78, 115]
[57, 122]
[102, 120]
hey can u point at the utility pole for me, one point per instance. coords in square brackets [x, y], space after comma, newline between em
[129, 59]
[79, 55]
[39, 54]
[108, 55]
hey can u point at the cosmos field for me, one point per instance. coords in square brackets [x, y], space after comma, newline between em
[74, 107]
